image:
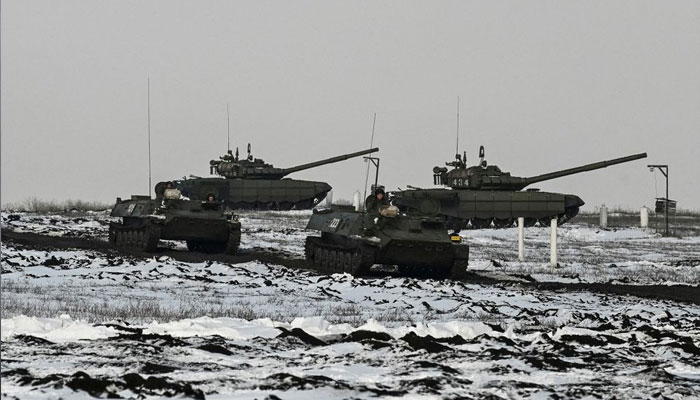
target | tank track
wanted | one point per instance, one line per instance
(328, 258)
(457, 271)
(144, 238)
(230, 246)
(273, 205)
(500, 223)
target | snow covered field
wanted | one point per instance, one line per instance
(78, 323)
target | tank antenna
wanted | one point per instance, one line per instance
(149, 134)
(371, 143)
(457, 147)
(228, 130)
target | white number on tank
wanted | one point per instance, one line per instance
(131, 208)
(334, 223)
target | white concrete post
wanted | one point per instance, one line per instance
(521, 240)
(603, 216)
(357, 201)
(553, 251)
(644, 217)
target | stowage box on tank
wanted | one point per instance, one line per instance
(203, 224)
(481, 195)
(251, 183)
(419, 246)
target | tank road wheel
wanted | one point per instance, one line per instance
(362, 261)
(347, 262)
(479, 223)
(324, 258)
(309, 250)
(336, 263)
(460, 263)
(503, 222)
(151, 238)
(129, 239)
(112, 235)
(304, 204)
(544, 222)
(331, 266)
(234, 241)
(285, 206)
(318, 256)
(529, 222)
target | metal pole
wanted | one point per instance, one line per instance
(149, 136)
(664, 171)
(521, 240)
(376, 175)
(666, 174)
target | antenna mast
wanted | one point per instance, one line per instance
(371, 144)
(149, 135)
(457, 149)
(228, 129)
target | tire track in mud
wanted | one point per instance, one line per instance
(681, 293)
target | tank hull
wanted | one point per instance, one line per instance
(145, 221)
(257, 194)
(476, 209)
(418, 246)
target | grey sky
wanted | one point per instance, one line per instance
(544, 85)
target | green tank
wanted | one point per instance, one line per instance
(419, 246)
(251, 183)
(483, 196)
(203, 224)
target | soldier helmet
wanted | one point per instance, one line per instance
(379, 189)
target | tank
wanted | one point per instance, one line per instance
(419, 246)
(483, 196)
(251, 183)
(204, 225)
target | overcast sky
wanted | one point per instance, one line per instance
(544, 85)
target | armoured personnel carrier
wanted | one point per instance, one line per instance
(203, 224)
(251, 183)
(419, 246)
(482, 196)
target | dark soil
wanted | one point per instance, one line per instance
(682, 293)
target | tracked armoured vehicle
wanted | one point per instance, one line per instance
(202, 224)
(251, 183)
(419, 246)
(482, 196)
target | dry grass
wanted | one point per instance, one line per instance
(33, 204)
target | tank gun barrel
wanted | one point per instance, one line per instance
(583, 168)
(287, 171)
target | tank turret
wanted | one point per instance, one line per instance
(233, 167)
(481, 196)
(490, 177)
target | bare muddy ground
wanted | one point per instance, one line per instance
(619, 318)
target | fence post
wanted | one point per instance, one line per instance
(521, 240)
(644, 217)
(553, 250)
(603, 216)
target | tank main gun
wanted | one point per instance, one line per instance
(583, 168)
(490, 177)
(234, 167)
